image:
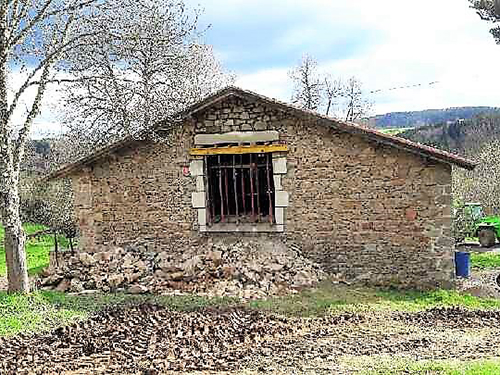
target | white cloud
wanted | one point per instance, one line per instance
(409, 42)
(273, 82)
(46, 123)
(398, 43)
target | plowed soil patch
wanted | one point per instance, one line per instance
(455, 317)
(150, 339)
(147, 338)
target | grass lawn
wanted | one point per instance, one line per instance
(394, 131)
(47, 309)
(37, 250)
(389, 365)
(485, 260)
(329, 299)
(44, 310)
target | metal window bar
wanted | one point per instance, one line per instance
(252, 194)
(219, 172)
(269, 188)
(248, 179)
(235, 186)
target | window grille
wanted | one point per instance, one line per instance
(240, 188)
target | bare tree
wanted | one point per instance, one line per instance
(489, 10)
(322, 92)
(333, 92)
(481, 185)
(356, 105)
(34, 36)
(308, 84)
(147, 66)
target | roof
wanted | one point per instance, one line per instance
(345, 126)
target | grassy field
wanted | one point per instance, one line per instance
(43, 310)
(485, 260)
(389, 365)
(47, 309)
(394, 131)
(37, 249)
(329, 298)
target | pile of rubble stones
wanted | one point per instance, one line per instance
(246, 269)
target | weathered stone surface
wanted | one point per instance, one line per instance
(87, 259)
(248, 269)
(198, 199)
(76, 285)
(345, 192)
(115, 280)
(137, 289)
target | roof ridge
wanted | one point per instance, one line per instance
(350, 127)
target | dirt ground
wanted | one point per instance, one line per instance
(150, 339)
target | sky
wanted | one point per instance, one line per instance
(384, 43)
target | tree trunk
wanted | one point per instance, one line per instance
(14, 241)
(15, 257)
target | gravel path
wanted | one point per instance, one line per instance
(150, 339)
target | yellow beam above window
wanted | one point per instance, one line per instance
(256, 149)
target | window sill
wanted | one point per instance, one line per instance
(243, 228)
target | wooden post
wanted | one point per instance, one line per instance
(56, 249)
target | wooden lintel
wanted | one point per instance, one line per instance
(256, 149)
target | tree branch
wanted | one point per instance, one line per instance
(43, 15)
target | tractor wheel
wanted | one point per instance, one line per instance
(487, 237)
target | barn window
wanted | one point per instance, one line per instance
(240, 188)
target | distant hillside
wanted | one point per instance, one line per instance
(464, 137)
(429, 117)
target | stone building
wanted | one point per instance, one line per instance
(361, 203)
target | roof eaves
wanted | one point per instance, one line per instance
(378, 136)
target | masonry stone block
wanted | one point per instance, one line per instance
(279, 166)
(200, 183)
(202, 216)
(279, 212)
(236, 137)
(196, 168)
(281, 199)
(198, 199)
(277, 182)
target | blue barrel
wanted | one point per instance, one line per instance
(462, 264)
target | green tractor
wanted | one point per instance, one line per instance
(485, 228)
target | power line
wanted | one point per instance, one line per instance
(404, 87)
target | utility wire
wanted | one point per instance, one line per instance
(404, 87)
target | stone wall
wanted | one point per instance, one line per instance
(362, 210)
(369, 211)
(140, 193)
